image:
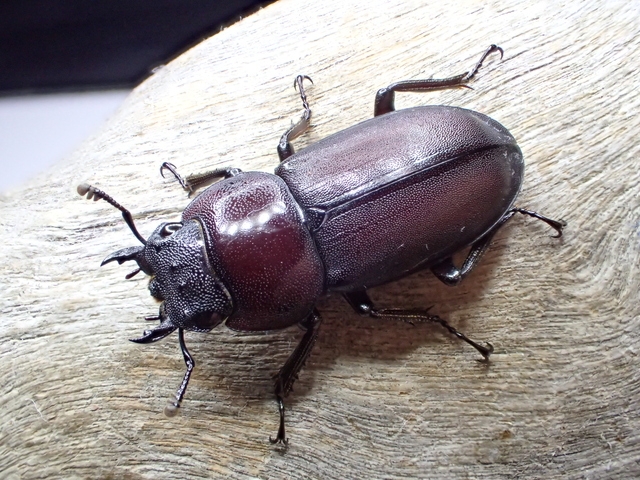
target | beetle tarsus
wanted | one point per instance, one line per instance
(190, 363)
(172, 168)
(557, 225)
(492, 48)
(489, 349)
(285, 148)
(280, 437)
(297, 84)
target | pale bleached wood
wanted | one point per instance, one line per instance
(377, 400)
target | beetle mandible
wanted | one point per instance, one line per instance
(401, 192)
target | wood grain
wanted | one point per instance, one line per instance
(560, 398)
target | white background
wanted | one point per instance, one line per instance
(37, 131)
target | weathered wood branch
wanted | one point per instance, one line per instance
(560, 398)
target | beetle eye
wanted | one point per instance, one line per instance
(169, 229)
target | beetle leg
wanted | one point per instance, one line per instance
(285, 149)
(447, 272)
(451, 275)
(557, 225)
(172, 409)
(363, 305)
(289, 372)
(198, 180)
(158, 333)
(384, 102)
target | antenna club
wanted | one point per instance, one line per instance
(171, 410)
(97, 194)
(83, 189)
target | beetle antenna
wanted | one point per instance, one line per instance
(97, 194)
(172, 409)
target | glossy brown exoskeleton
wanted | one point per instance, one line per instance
(395, 194)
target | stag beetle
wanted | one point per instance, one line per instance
(401, 192)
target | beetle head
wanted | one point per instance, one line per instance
(175, 257)
(192, 296)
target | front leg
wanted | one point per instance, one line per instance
(289, 372)
(198, 180)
